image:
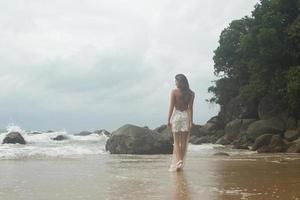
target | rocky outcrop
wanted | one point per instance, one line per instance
(131, 139)
(291, 135)
(102, 131)
(13, 138)
(266, 108)
(235, 128)
(294, 147)
(223, 141)
(34, 133)
(200, 140)
(83, 133)
(236, 108)
(272, 126)
(269, 143)
(261, 126)
(60, 137)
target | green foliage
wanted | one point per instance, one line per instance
(224, 90)
(256, 55)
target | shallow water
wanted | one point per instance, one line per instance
(207, 177)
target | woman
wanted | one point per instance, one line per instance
(182, 99)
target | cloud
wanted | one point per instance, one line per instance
(99, 64)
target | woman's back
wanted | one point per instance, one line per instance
(179, 104)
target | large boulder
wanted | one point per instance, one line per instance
(269, 143)
(222, 140)
(13, 138)
(261, 141)
(60, 137)
(237, 127)
(243, 142)
(272, 126)
(266, 108)
(236, 108)
(291, 135)
(199, 131)
(102, 131)
(131, 139)
(167, 136)
(294, 147)
(161, 128)
(200, 140)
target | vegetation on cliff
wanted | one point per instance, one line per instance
(259, 55)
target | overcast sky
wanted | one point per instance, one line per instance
(92, 64)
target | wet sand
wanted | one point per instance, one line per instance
(135, 177)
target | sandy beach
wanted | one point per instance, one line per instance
(105, 176)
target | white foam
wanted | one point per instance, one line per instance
(42, 145)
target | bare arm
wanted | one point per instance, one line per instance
(171, 108)
(190, 108)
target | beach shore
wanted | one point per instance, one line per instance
(207, 177)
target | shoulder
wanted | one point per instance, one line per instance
(174, 91)
(192, 93)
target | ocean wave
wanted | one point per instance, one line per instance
(42, 145)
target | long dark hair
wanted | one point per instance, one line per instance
(184, 87)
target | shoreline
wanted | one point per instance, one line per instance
(124, 176)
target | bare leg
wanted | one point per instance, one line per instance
(184, 138)
(176, 146)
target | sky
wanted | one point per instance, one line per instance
(99, 64)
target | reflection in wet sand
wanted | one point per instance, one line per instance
(146, 177)
(181, 186)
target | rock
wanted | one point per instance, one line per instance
(102, 131)
(166, 132)
(213, 138)
(219, 133)
(291, 135)
(266, 108)
(294, 149)
(294, 146)
(193, 139)
(232, 129)
(60, 137)
(221, 154)
(161, 128)
(34, 133)
(260, 127)
(269, 143)
(83, 133)
(243, 142)
(291, 123)
(50, 131)
(222, 141)
(209, 126)
(237, 127)
(213, 124)
(13, 138)
(214, 119)
(239, 146)
(131, 139)
(236, 108)
(199, 131)
(167, 136)
(200, 140)
(277, 144)
(262, 140)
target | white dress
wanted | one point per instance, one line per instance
(179, 123)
